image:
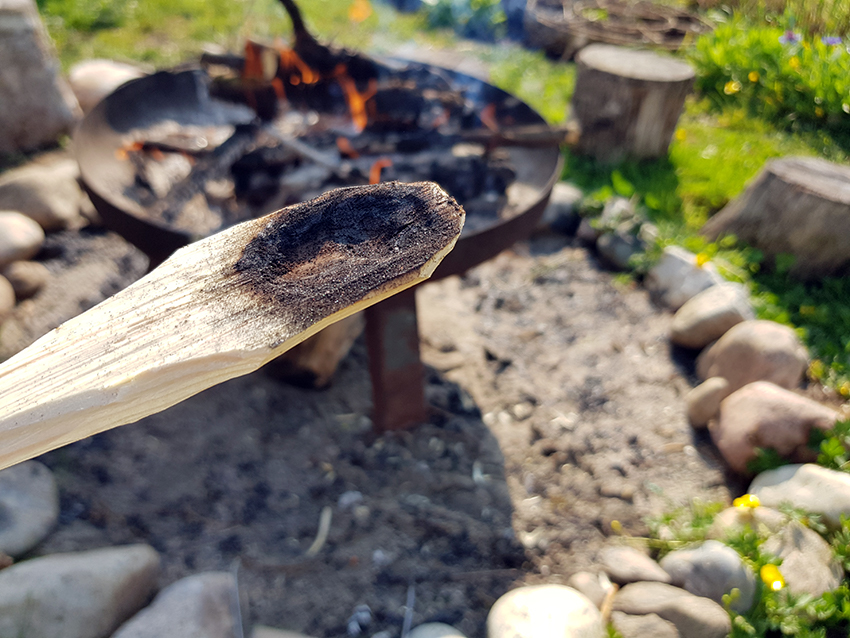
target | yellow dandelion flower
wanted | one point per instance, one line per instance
(617, 527)
(772, 577)
(794, 62)
(681, 134)
(747, 501)
(844, 389)
(753, 76)
(702, 259)
(732, 87)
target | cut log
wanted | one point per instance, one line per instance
(798, 206)
(626, 102)
(220, 308)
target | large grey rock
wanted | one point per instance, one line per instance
(26, 277)
(435, 630)
(703, 402)
(643, 626)
(594, 586)
(544, 610)
(47, 192)
(29, 506)
(80, 595)
(808, 563)
(37, 105)
(678, 277)
(712, 570)
(755, 351)
(810, 487)
(20, 237)
(708, 315)
(694, 616)
(628, 565)
(93, 80)
(763, 415)
(200, 606)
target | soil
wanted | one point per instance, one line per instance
(557, 409)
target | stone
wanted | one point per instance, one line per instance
(561, 213)
(586, 233)
(594, 586)
(26, 278)
(703, 401)
(732, 520)
(692, 615)
(46, 192)
(29, 506)
(78, 595)
(617, 249)
(712, 570)
(37, 105)
(260, 631)
(642, 626)
(199, 606)
(629, 565)
(755, 351)
(93, 80)
(678, 277)
(544, 610)
(20, 237)
(7, 298)
(763, 415)
(808, 563)
(435, 630)
(809, 487)
(708, 315)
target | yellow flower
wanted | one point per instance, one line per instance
(816, 369)
(818, 111)
(753, 76)
(794, 62)
(844, 389)
(772, 577)
(732, 87)
(681, 134)
(747, 500)
(617, 527)
(702, 259)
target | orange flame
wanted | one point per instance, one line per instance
(359, 10)
(355, 99)
(294, 69)
(377, 167)
(346, 149)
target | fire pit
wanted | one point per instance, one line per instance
(175, 156)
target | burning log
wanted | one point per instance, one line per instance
(220, 308)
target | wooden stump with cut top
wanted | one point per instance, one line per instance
(796, 206)
(627, 102)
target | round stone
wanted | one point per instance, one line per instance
(554, 611)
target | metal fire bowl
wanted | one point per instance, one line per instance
(182, 97)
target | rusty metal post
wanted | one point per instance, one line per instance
(398, 376)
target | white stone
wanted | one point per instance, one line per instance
(763, 415)
(628, 565)
(693, 615)
(732, 520)
(643, 626)
(79, 595)
(703, 401)
(810, 487)
(435, 630)
(200, 606)
(20, 237)
(37, 105)
(808, 563)
(29, 506)
(93, 80)
(708, 315)
(554, 611)
(676, 278)
(7, 298)
(594, 586)
(47, 192)
(26, 277)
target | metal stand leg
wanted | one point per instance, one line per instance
(398, 377)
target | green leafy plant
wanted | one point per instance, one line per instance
(478, 19)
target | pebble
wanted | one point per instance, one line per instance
(544, 610)
(7, 298)
(93, 80)
(29, 506)
(755, 351)
(586, 233)
(617, 249)
(261, 631)
(594, 586)
(20, 237)
(703, 401)
(692, 615)
(78, 595)
(712, 570)
(708, 315)
(561, 213)
(629, 565)
(53, 208)
(764, 415)
(808, 563)
(809, 487)
(732, 520)
(435, 630)
(26, 277)
(676, 278)
(199, 606)
(642, 626)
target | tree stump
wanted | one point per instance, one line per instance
(627, 102)
(798, 206)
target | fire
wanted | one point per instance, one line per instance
(359, 10)
(355, 99)
(294, 69)
(346, 149)
(377, 167)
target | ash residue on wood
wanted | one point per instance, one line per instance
(327, 254)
